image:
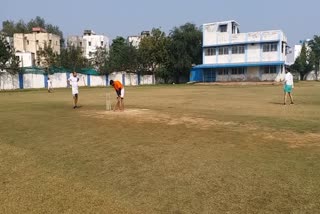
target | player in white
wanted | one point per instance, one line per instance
(49, 85)
(73, 81)
(288, 86)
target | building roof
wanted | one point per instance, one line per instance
(223, 22)
(38, 29)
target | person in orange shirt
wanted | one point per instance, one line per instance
(120, 95)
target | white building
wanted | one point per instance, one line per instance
(93, 41)
(9, 40)
(27, 59)
(33, 42)
(229, 55)
(89, 42)
(76, 41)
(135, 40)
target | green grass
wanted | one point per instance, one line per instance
(177, 149)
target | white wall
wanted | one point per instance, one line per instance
(210, 59)
(223, 59)
(59, 80)
(253, 53)
(115, 76)
(146, 80)
(269, 56)
(235, 58)
(83, 81)
(268, 77)
(253, 74)
(312, 76)
(26, 59)
(97, 80)
(131, 79)
(8, 82)
(33, 81)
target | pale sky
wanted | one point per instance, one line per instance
(298, 19)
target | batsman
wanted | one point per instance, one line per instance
(120, 95)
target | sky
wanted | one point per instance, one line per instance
(298, 19)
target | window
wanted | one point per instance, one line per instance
(223, 71)
(210, 51)
(37, 42)
(50, 42)
(80, 43)
(270, 69)
(270, 47)
(223, 28)
(239, 49)
(27, 42)
(209, 75)
(89, 43)
(223, 51)
(101, 43)
(237, 71)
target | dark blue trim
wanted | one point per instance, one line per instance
(88, 80)
(123, 79)
(232, 65)
(45, 80)
(139, 78)
(20, 81)
(68, 76)
(107, 79)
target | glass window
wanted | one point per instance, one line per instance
(223, 71)
(223, 50)
(270, 69)
(223, 28)
(210, 51)
(270, 47)
(238, 49)
(237, 71)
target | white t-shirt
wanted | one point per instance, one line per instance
(49, 83)
(74, 84)
(74, 81)
(288, 79)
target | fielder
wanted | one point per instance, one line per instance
(49, 82)
(73, 81)
(288, 86)
(120, 95)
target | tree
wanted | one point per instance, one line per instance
(8, 61)
(122, 56)
(153, 52)
(185, 50)
(100, 60)
(314, 44)
(305, 62)
(72, 58)
(10, 27)
(47, 56)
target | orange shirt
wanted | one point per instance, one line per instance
(117, 85)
